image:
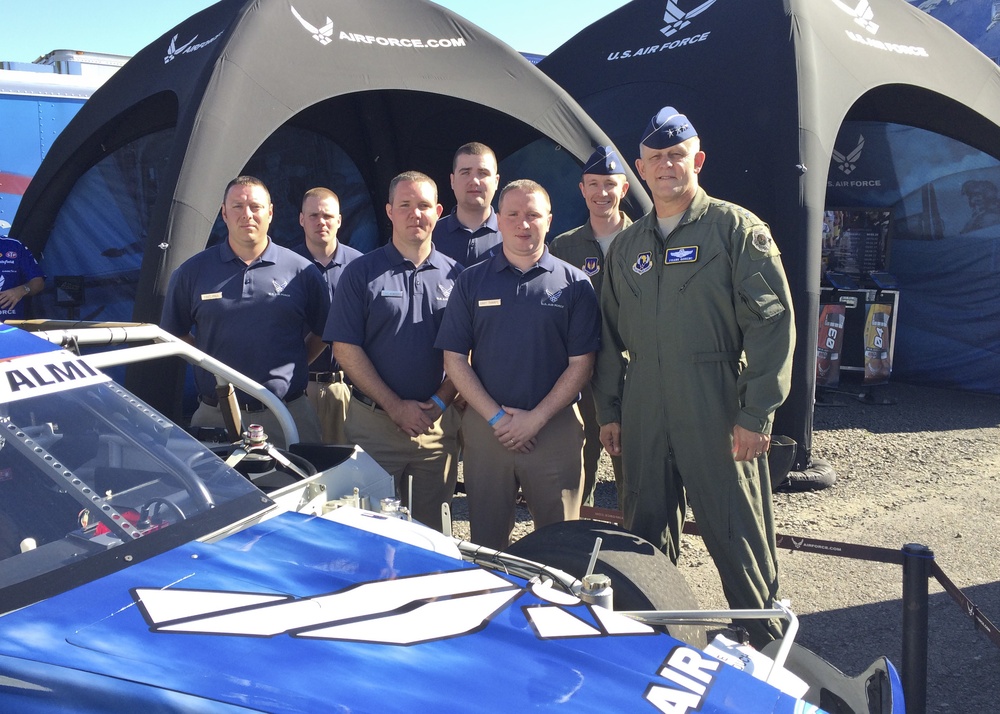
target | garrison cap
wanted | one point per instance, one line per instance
(667, 128)
(604, 162)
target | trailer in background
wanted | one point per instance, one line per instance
(37, 100)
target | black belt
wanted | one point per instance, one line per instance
(251, 407)
(326, 377)
(363, 398)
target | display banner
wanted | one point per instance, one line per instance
(829, 345)
(878, 364)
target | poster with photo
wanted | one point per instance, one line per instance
(830, 345)
(878, 344)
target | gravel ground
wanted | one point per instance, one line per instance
(920, 466)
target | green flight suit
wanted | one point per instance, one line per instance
(709, 337)
(580, 248)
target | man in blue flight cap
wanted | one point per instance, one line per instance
(696, 295)
(603, 186)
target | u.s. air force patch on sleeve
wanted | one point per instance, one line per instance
(643, 262)
(762, 241)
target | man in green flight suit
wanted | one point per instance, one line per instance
(603, 186)
(695, 294)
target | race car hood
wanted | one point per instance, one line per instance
(300, 614)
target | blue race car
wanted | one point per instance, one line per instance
(139, 571)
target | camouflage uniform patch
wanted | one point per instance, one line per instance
(762, 241)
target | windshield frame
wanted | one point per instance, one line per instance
(84, 554)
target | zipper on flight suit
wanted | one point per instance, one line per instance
(697, 272)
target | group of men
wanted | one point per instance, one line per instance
(470, 336)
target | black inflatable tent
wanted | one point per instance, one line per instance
(768, 84)
(300, 93)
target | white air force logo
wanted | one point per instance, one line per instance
(403, 612)
(173, 50)
(862, 14)
(849, 162)
(323, 35)
(677, 19)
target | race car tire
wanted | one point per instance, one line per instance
(642, 577)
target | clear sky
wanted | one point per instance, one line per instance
(32, 28)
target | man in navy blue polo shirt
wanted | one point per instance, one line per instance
(385, 316)
(320, 220)
(532, 324)
(255, 306)
(470, 231)
(20, 277)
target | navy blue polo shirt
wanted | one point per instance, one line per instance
(17, 267)
(331, 273)
(392, 310)
(522, 328)
(462, 245)
(253, 318)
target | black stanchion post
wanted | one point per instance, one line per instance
(916, 574)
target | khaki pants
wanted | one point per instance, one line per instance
(592, 448)
(428, 458)
(330, 401)
(551, 476)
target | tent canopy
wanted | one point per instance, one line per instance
(768, 84)
(300, 93)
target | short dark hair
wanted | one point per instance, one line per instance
(473, 148)
(245, 181)
(528, 186)
(415, 177)
(319, 192)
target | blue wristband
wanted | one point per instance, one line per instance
(437, 400)
(497, 417)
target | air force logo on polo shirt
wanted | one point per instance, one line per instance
(551, 299)
(591, 266)
(687, 254)
(643, 262)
